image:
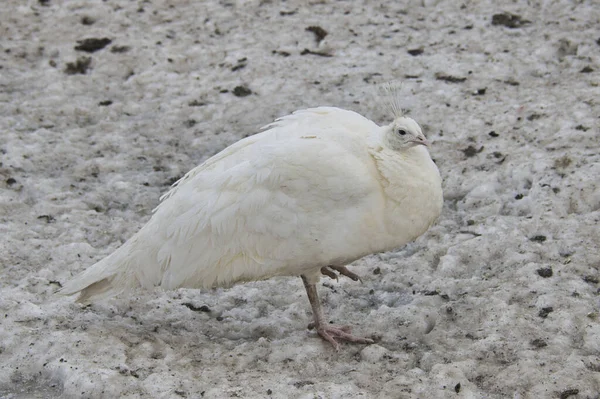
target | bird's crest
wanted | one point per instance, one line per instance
(390, 98)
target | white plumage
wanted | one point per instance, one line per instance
(313, 192)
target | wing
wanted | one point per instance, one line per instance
(227, 152)
(273, 207)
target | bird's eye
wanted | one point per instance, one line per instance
(401, 132)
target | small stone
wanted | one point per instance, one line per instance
(241, 91)
(78, 67)
(539, 343)
(569, 392)
(119, 49)
(544, 312)
(87, 20)
(281, 53)
(449, 78)
(471, 151)
(47, 218)
(92, 45)
(509, 20)
(195, 308)
(545, 272)
(319, 53)
(190, 123)
(319, 32)
(415, 52)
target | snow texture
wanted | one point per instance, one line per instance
(499, 299)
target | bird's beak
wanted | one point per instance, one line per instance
(422, 141)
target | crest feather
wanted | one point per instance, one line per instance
(389, 96)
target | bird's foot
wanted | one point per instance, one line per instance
(333, 334)
(329, 272)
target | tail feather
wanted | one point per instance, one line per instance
(99, 290)
(102, 280)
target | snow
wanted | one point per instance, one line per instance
(472, 302)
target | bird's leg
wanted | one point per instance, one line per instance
(343, 270)
(328, 332)
(329, 272)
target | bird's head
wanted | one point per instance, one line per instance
(404, 133)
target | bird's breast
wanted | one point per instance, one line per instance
(413, 195)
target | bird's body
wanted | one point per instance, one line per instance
(321, 187)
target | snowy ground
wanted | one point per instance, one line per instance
(499, 299)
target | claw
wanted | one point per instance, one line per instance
(329, 273)
(333, 334)
(343, 270)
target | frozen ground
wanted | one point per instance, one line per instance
(499, 299)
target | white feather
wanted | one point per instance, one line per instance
(389, 95)
(318, 187)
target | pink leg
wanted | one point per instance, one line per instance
(328, 332)
(344, 271)
(329, 272)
